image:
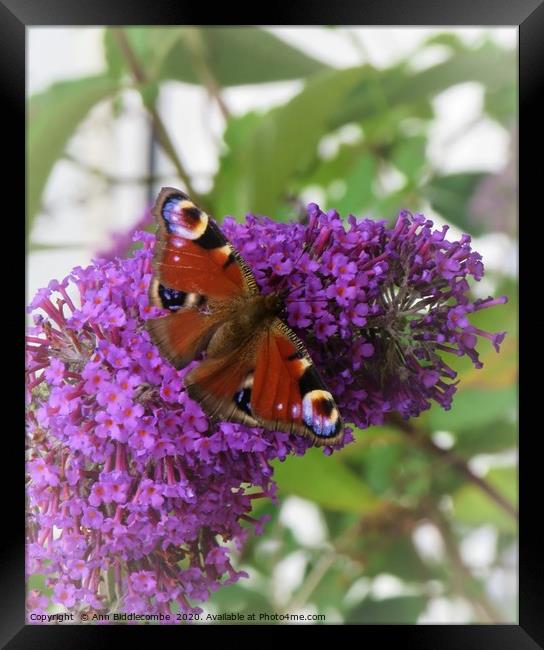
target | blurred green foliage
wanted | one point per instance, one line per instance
(374, 494)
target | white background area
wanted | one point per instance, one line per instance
(120, 147)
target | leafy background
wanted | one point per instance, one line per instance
(414, 522)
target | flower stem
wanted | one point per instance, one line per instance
(139, 75)
(462, 577)
(422, 439)
(198, 51)
(112, 179)
(318, 572)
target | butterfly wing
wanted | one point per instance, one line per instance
(269, 379)
(195, 269)
(287, 392)
(271, 382)
(222, 384)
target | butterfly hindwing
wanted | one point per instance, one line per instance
(269, 382)
(222, 386)
(182, 335)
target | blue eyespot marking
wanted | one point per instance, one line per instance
(171, 299)
(243, 400)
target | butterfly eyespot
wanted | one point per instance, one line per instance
(320, 413)
(243, 399)
(183, 218)
(169, 298)
(248, 381)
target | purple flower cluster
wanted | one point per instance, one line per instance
(377, 307)
(132, 494)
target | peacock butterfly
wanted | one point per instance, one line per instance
(255, 370)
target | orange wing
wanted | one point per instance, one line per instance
(192, 255)
(269, 382)
(219, 385)
(195, 267)
(287, 393)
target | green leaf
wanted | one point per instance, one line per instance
(238, 599)
(149, 93)
(473, 507)
(360, 105)
(233, 55)
(333, 585)
(149, 44)
(487, 439)
(381, 461)
(281, 144)
(373, 436)
(501, 104)
(390, 205)
(327, 170)
(53, 116)
(490, 65)
(115, 64)
(325, 481)
(401, 609)
(448, 39)
(359, 183)
(474, 407)
(450, 196)
(242, 55)
(37, 581)
(225, 188)
(413, 478)
(398, 557)
(383, 130)
(409, 156)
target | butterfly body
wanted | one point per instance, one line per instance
(255, 370)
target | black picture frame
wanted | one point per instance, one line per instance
(528, 15)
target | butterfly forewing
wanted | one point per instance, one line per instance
(191, 254)
(194, 265)
(288, 393)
